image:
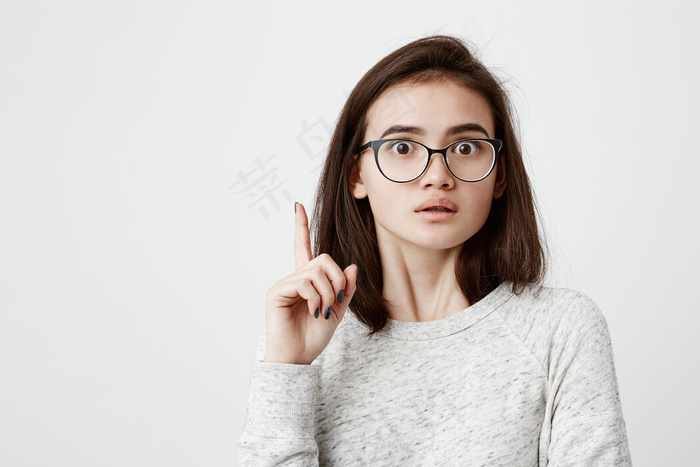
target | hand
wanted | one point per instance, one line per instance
(293, 332)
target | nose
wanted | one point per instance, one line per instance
(437, 174)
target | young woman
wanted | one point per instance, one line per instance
(418, 332)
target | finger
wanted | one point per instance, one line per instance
(312, 285)
(288, 292)
(308, 292)
(302, 239)
(322, 283)
(350, 279)
(351, 286)
(335, 275)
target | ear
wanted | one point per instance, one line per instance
(500, 185)
(357, 188)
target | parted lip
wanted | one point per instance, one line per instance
(437, 202)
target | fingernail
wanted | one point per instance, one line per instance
(341, 294)
(328, 313)
(295, 207)
(317, 310)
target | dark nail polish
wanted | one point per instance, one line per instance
(295, 207)
(328, 313)
(317, 310)
(341, 294)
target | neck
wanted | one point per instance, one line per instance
(420, 283)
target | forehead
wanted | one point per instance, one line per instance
(433, 106)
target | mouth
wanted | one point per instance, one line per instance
(437, 214)
(437, 209)
(437, 204)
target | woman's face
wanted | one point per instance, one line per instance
(432, 109)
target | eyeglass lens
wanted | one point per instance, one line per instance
(402, 160)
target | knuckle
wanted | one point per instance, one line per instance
(306, 284)
(319, 274)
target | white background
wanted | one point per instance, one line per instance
(138, 240)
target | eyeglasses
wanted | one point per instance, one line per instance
(404, 160)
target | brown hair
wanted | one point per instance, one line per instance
(506, 248)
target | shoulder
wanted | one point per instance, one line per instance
(555, 305)
(548, 318)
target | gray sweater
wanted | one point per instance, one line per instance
(516, 380)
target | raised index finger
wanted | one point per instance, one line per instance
(302, 239)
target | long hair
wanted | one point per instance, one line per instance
(506, 248)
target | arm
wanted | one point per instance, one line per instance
(280, 423)
(587, 423)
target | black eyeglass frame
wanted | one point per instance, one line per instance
(497, 144)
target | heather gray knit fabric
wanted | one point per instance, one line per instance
(516, 380)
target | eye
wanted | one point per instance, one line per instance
(402, 147)
(467, 148)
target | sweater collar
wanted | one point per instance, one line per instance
(412, 330)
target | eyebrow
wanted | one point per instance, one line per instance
(420, 131)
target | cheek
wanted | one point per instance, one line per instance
(388, 200)
(376, 185)
(477, 200)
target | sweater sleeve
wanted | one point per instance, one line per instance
(280, 422)
(587, 426)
